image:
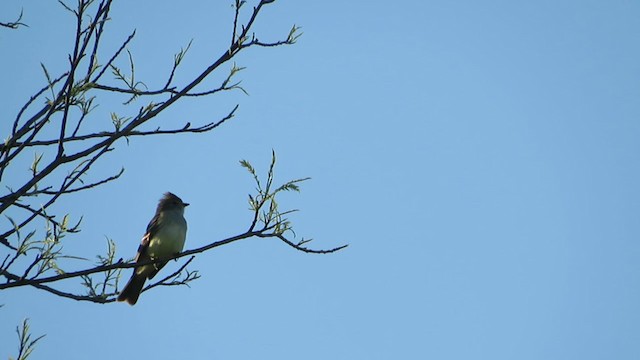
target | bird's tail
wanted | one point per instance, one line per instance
(132, 290)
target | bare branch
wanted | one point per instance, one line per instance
(14, 24)
(302, 248)
(174, 275)
(106, 134)
(86, 187)
(113, 58)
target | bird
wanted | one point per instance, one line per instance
(164, 238)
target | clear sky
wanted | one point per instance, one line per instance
(481, 158)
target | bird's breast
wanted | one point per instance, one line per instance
(168, 239)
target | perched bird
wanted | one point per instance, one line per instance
(164, 238)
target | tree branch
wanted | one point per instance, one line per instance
(14, 24)
(57, 128)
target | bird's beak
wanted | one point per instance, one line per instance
(185, 204)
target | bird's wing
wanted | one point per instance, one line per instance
(152, 228)
(142, 249)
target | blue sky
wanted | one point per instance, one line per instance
(481, 159)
